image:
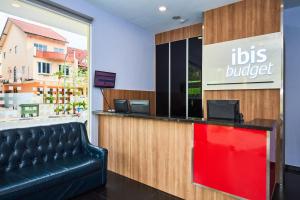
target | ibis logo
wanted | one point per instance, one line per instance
(249, 63)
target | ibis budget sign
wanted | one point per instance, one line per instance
(250, 63)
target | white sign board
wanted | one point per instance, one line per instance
(249, 63)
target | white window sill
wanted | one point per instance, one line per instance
(44, 74)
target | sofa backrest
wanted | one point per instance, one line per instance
(25, 147)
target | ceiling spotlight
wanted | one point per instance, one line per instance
(183, 20)
(16, 5)
(162, 8)
(176, 17)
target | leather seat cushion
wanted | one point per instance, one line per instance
(9, 180)
(45, 175)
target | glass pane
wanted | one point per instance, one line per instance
(195, 78)
(178, 79)
(39, 94)
(48, 68)
(162, 80)
(39, 67)
(44, 68)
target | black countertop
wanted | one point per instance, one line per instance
(258, 124)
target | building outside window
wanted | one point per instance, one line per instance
(40, 47)
(59, 50)
(31, 71)
(64, 70)
(15, 74)
(43, 68)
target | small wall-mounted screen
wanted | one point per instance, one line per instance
(104, 79)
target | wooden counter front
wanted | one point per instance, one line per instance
(154, 152)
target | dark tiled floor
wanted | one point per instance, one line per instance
(122, 188)
(291, 189)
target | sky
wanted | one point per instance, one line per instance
(75, 40)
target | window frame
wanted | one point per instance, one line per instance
(58, 50)
(40, 47)
(44, 68)
(67, 69)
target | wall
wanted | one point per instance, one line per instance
(241, 20)
(179, 34)
(120, 47)
(292, 86)
(15, 37)
(130, 95)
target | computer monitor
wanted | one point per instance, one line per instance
(228, 110)
(121, 106)
(140, 106)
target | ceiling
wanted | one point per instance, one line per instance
(145, 14)
(291, 3)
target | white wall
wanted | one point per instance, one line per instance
(117, 46)
(292, 86)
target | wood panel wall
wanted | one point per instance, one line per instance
(112, 94)
(179, 34)
(244, 19)
(263, 104)
(155, 152)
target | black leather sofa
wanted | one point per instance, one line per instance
(49, 162)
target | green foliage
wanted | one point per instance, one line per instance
(58, 109)
(59, 74)
(69, 107)
(82, 105)
(50, 98)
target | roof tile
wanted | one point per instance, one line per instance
(37, 30)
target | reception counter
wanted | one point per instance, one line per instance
(194, 158)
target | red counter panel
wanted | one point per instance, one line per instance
(232, 160)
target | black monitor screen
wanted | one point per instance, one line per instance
(104, 79)
(223, 110)
(140, 106)
(121, 105)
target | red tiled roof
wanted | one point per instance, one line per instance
(37, 30)
(80, 55)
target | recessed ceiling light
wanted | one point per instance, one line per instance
(176, 17)
(16, 5)
(162, 8)
(183, 20)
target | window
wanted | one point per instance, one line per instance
(64, 69)
(57, 94)
(40, 47)
(15, 74)
(59, 50)
(43, 68)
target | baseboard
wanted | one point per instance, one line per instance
(290, 168)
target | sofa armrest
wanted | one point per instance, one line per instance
(96, 152)
(102, 154)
